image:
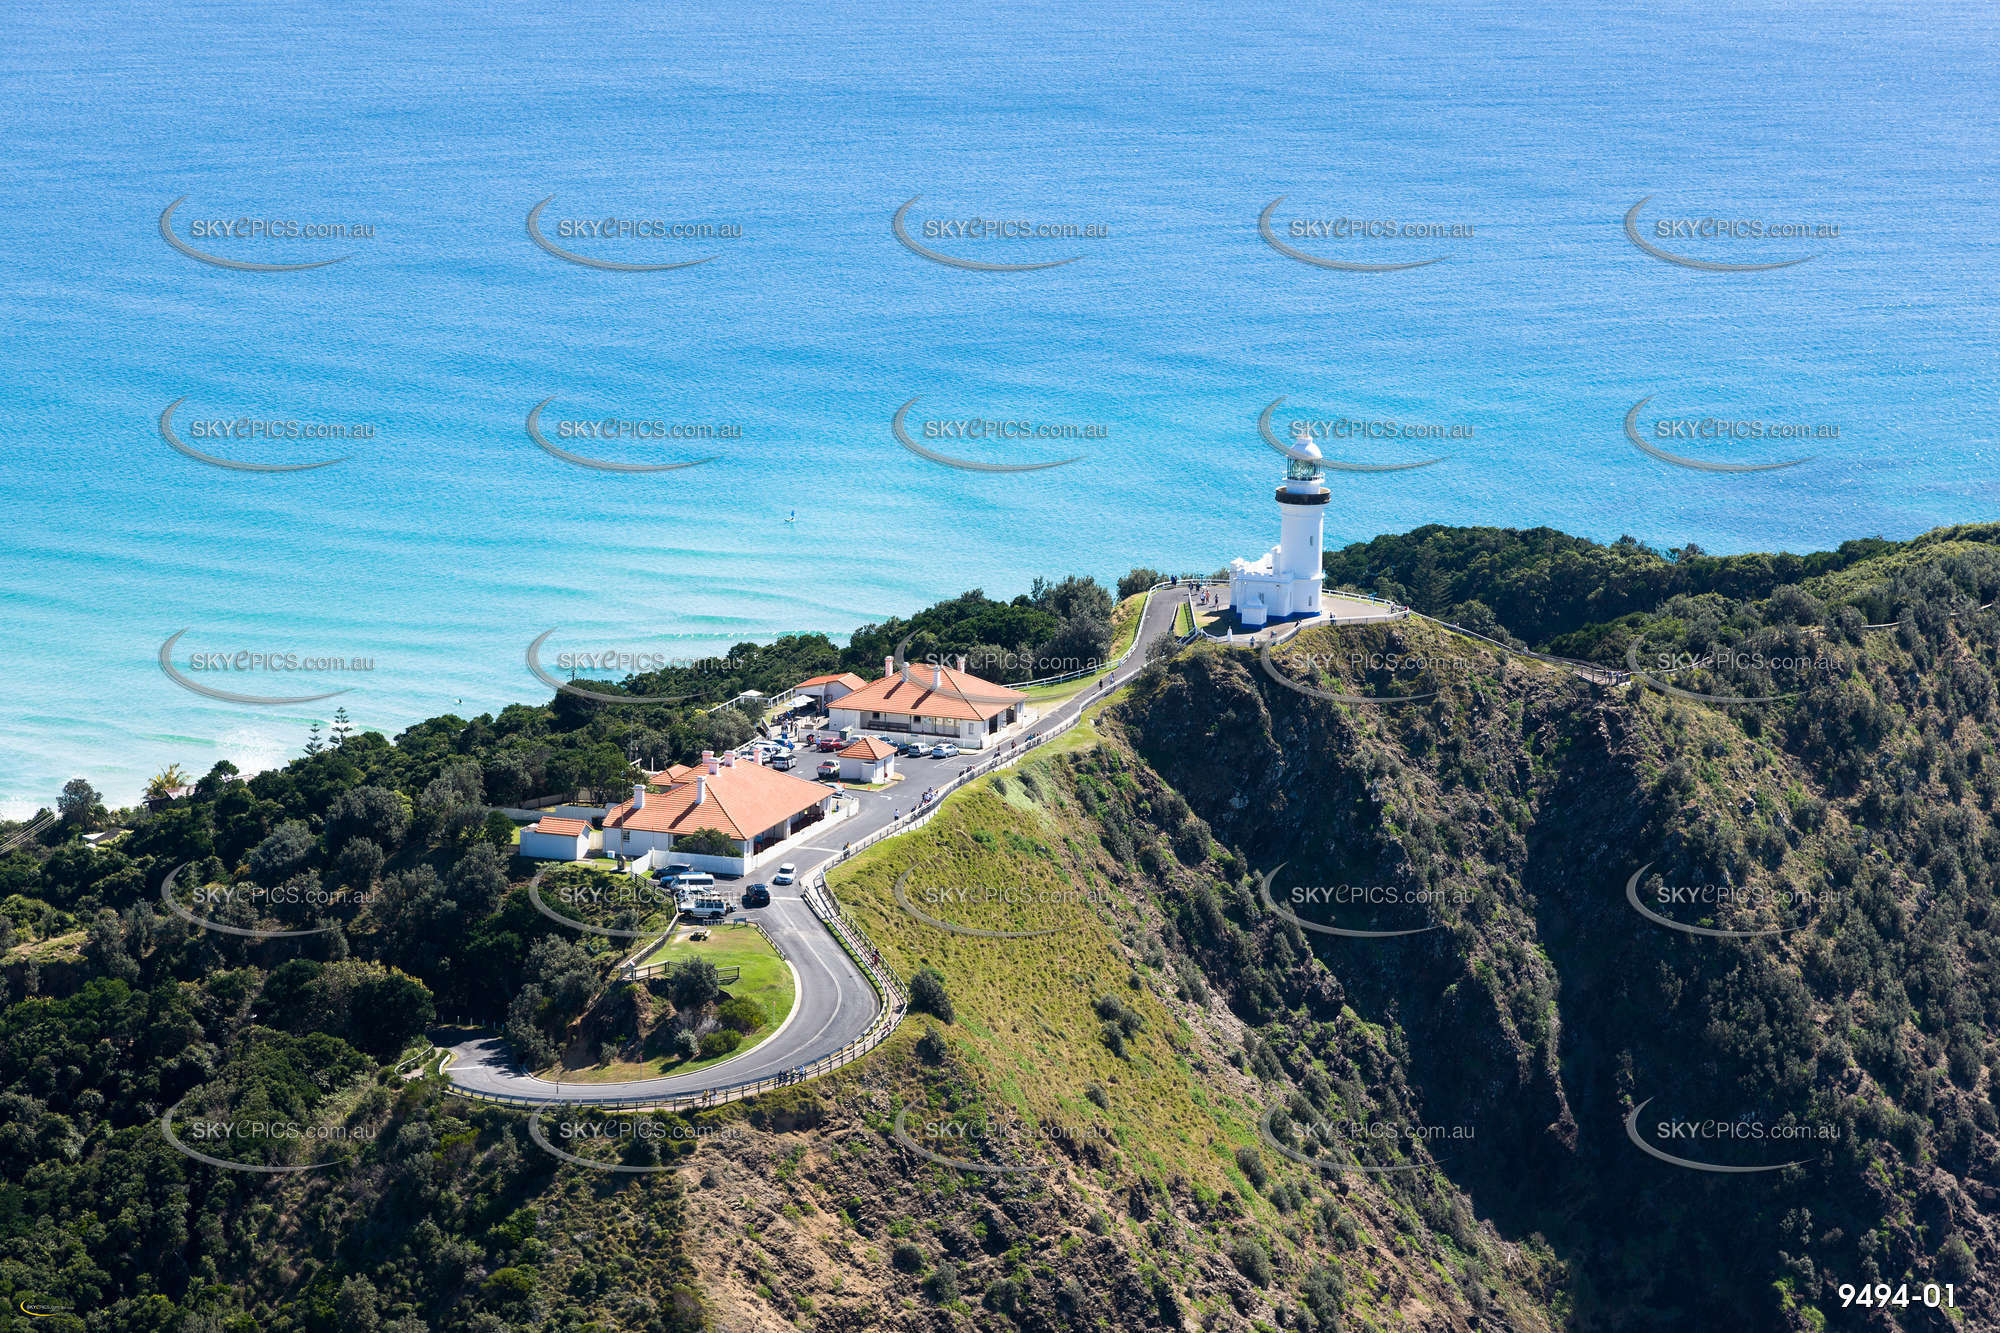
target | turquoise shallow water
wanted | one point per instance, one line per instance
(448, 540)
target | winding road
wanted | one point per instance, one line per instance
(836, 1003)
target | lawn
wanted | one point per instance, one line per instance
(766, 981)
(1125, 619)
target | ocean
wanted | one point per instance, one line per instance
(777, 143)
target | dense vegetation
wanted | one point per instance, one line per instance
(1813, 734)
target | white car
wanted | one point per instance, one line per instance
(787, 874)
(944, 750)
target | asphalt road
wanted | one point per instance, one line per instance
(835, 1002)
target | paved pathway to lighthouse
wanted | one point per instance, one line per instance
(835, 1004)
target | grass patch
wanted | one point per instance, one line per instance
(765, 981)
(1029, 1013)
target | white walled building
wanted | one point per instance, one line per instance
(1286, 581)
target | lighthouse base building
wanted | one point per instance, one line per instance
(1285, 582)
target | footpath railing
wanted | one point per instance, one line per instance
(633, 971)
(819, 896)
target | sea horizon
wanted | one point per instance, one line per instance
(446, 539)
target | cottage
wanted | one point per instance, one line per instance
(932, 701)
(870, 759)
(752, 806)
(555, 839)
(826, 689)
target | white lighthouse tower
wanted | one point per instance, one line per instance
(1286, 581)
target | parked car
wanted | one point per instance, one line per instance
(944, 750)
(827, 743)
(704, 907)
(787, 874)
(757, 895)
(673, 871)
(784, 762)
(911, 749)
(829, 768)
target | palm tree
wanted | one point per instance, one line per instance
(166, 783)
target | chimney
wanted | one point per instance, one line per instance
(638, 796)
(888, 667)
(729, 760)
(937, 676)
(961, 661)
(708, 761)
(700, 788)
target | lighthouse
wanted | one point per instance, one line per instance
(1285, 582)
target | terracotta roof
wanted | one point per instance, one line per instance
(958, 695)
(847, 678)
(568, 828)
(744, 799)
(871, 748)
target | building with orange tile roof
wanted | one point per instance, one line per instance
(932, 701)
(556, 839)
(870, 759)
(753, 806)
(828, 688)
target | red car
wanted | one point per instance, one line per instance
(827, 743)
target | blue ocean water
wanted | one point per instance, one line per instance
(448, 540)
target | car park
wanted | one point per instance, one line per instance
(757, 895)
(787, 874)
(704, 906)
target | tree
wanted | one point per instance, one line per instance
(375, 813)
(313, 742)
(79, 802)
(928, 994)
(163, 784)
(693, 985)
(1138, 581)
(707, 842)
(287, 849)
(341, 726)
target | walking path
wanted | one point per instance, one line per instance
(844, 1007)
